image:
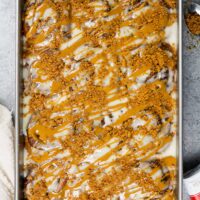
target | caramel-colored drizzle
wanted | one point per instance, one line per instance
(79, 77)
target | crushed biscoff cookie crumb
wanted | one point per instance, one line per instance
(193, 23)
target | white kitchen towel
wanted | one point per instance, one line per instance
(6, 155)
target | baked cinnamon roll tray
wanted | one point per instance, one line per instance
(99, 99)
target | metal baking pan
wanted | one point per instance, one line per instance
(19, 139)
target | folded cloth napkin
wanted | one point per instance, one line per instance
(6, 155)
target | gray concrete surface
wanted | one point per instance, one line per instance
(191, 101)
(191, 81)
(7, 53)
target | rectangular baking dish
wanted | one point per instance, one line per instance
(19, 138)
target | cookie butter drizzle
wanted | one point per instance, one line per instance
(99, 98)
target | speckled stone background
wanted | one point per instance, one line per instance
(191, 101)
(191, 81)
(7, 53)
